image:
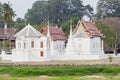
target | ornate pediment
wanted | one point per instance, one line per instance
(79, 33)
(28, 31)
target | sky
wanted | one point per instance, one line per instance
(21, 6)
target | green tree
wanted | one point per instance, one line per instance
(7, 14)
(57, 10)
(1, 20)
(19, 23)
(66, 25)
(110, 35)
(38, 13)
(108, 8)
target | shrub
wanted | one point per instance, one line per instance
(110, 58)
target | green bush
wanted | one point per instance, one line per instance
(110, 58)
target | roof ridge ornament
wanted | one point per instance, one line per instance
(60, 28)
(28, 23)
(56, 26)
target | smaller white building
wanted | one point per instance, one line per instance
(86, 41)
(31, 45)
(57, 39)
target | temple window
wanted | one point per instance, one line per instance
(32, 44)
(41, 53)
(93, 45)
(60, 47)
(19, 45)
(79, 46)
(54, 46)
(24, 45)
(57, 47)
(41, 44)
(63, 47)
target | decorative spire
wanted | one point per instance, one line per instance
(60, 28)
(48, 33)
(28, 23)
(56, 26)
(5, 26)
(71, 28)
(25, 22)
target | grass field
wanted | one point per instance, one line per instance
(66, 70)
(61, 73)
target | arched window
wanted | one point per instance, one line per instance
(41, 53)
(57, 47)
(19, 45)
(79, 46)
(93, 45)
(63, 47)
(24, 45)
(60, 48)
(32, 44)
(41, 44)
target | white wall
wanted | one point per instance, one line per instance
(18, 55)
(96, 46)
(58, 46)
(5, 56)
(82, 45)
(27, 53)
(78, 57)
(28, 41)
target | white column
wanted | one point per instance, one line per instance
(102, 44)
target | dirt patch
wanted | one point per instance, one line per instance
(45, 76)
(97, 77)
(5, 75)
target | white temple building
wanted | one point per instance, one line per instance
(85, 42)
(31, 45)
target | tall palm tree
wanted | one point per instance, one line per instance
(7, 14)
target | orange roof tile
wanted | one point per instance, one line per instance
(56, 33)
(90, 29)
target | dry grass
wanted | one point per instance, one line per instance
(115, 61)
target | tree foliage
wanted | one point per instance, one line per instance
(109, 33)
(114, 23)
(1, 20)
(66, 25)
(7, 13)
(19, 23)
(108, 8)
(57, 10)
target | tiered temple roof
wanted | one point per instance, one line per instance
(55, 33)
(89, 28)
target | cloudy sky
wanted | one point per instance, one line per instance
(21, 6)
